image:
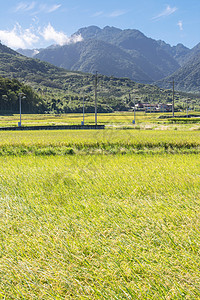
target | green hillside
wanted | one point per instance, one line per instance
(58, 90)
(187, 78)
(9, 93)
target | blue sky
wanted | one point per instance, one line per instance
(40, 23)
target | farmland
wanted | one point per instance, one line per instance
(116, 119)
(111, 214)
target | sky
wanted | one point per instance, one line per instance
(31, 24)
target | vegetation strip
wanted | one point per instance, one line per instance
(100, 149)
(56, 127)
(64, 142)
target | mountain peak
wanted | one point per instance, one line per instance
(122, 53)
(111, 29)
(88, 32)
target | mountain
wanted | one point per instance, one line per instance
(187, 78)
(113, 51)
(133, 41)
(28, 52)
(127, 53)
(33, 71)
(55, 90)
(179, 52)
(114, 35)
(193, 53)
(91, 55)
(130, 40)
(6, 50)
(93, 32)
(43, 75)
(59, 90)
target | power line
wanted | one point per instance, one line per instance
(95, 92)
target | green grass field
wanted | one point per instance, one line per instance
(109, 214)
(117, 119)
(100, 227)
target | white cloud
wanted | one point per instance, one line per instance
(97, 14)
(54, 8)
(45, 8)
(113, 14)
(35, 20)
(50, 34)
(22, 6)
(28, 38)
(168, 11)
(180, 25)
(117, 13)
(75, 39)
(18, 37)
(36, 8)
(35, 52)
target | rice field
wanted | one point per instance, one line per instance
(100, 227)
(109, 141)
(116, 119)
(76, 118)
(109, 214)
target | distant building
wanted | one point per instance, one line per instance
(164, 107)
(150, 107)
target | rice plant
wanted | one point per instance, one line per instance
(99, 226)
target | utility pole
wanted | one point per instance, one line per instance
(134, 106)
(95, 93)
(150, 104)
(20, 108)
(173, 100)
(82, 123)
(187, 107)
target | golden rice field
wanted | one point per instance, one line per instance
(116, 119)
(100, 227)
(76, 118)
(108, 214)
(98, 142)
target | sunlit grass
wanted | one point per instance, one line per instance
(100, 214)
(97, 141)
(100, 227)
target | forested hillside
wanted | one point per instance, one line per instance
(9, 95)
(51, 89)
(187, 78)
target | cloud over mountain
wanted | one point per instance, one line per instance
(19, 37)
(50, 34)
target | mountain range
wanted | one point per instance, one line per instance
(126, 53)
(54, 89)
(112, 51)
(187, 78)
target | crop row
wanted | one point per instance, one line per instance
(108, 141)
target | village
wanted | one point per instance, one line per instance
(151, 107)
